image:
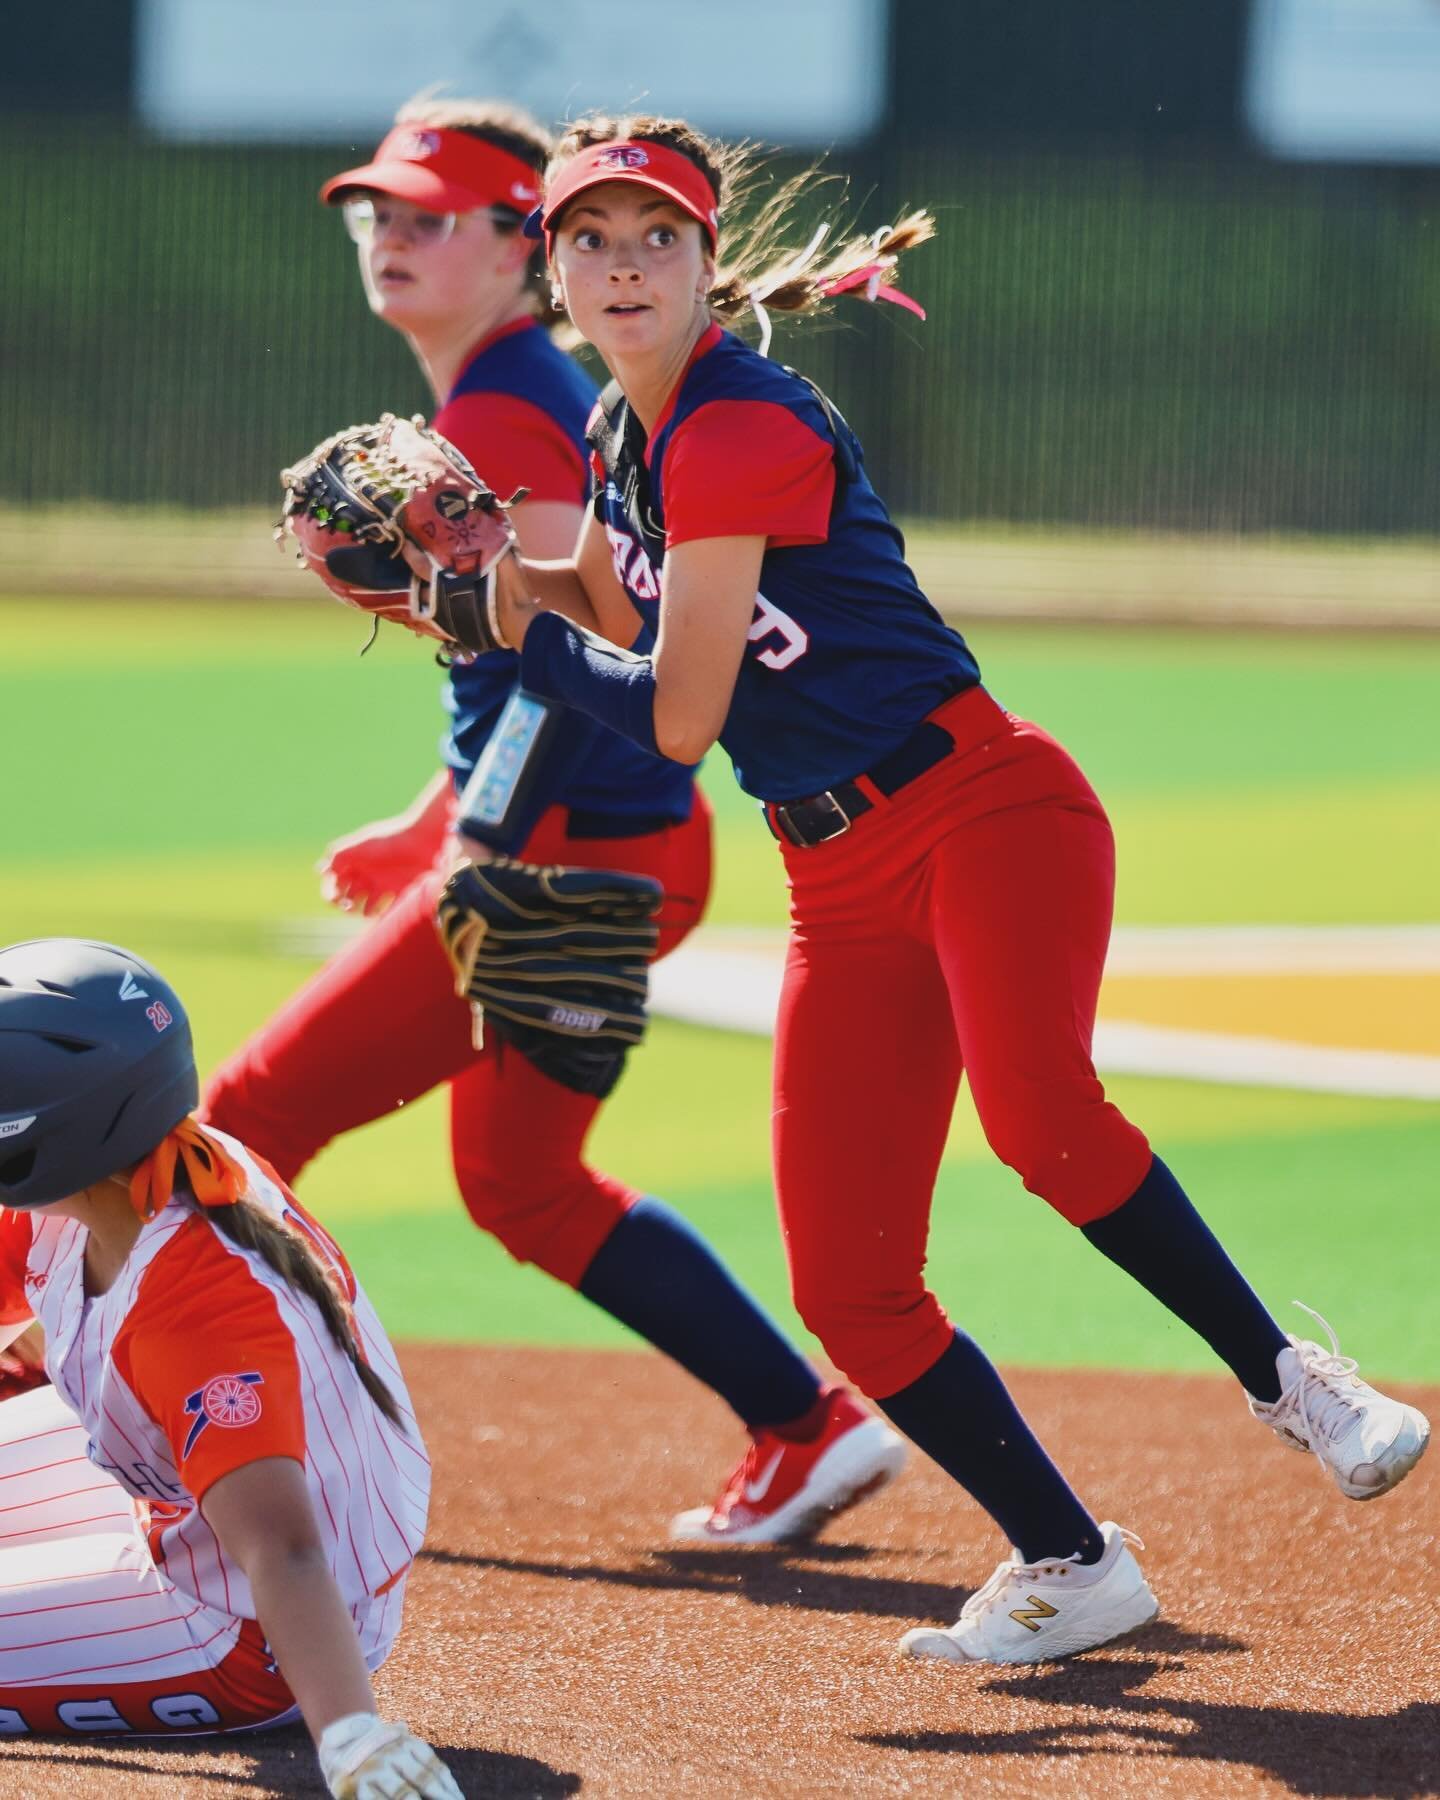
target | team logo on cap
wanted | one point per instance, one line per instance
(226, 1400)
(417, 145)
(13, 1127)
(623, 156)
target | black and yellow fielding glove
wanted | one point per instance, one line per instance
(555, 960)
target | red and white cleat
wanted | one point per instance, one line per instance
(782, 1491)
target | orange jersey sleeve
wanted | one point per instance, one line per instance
(15, 1239)
(513, 444)
(206, 1353)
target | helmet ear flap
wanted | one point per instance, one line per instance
(16, 1170)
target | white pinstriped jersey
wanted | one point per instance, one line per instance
(200, 1359)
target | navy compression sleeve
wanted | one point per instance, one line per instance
(561, 661)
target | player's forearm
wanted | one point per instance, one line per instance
(430, 809)
(677, 715)
(311, 1634)
(615, 687)
(428, 815)
(528, 587)
(673, 703)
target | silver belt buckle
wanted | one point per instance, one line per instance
(837, 811)
(784, 818)
(845, 820)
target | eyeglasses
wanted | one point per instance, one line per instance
(367, 215)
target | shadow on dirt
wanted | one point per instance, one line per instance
(276, 1762)
(764, 1575)
(1335, 1755)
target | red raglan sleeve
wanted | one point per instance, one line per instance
(206, 1352)
(15, 1240)
(748, 468)
(513, 444)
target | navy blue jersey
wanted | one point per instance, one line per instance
(845, 653)
(518, 411)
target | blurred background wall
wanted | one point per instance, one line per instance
(1154, 300)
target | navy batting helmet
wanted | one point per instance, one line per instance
(96, 1065)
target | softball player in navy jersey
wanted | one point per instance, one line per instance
(436, 216)
(950, 869)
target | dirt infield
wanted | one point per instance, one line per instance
(554, 1646)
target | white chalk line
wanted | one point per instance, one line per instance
(735, 986)
(729, 979)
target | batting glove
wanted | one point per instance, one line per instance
(364, 1758)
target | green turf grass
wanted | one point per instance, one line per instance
(1318, 1198)
(1251, 778)
(170, 780)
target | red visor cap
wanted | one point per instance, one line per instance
(647, 165)
(446, 171)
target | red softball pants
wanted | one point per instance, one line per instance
(961, 925)
(381, 1024)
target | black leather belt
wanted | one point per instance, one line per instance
(582, 824)
(821, 817)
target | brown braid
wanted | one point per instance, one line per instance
(290, 1255)
(753, 262)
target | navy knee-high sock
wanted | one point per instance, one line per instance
(1158, 1237)
(657, 1275)
(960, 1413)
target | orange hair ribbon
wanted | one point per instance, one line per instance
(216, 1179)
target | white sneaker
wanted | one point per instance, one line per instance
(1035, 1612)
(1367, 1441)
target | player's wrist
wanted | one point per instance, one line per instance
(474, 850)
(363, 1756)
(515, 602)
(350, 1740)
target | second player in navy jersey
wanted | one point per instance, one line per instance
(951, 871)
(516, 388)
(436, 217)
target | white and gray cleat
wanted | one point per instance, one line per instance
(1366, 1440)
(1036, 1612)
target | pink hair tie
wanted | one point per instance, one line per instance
(871, 277)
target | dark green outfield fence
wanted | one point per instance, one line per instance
(1157, 341)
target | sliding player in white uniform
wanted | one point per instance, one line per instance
(207, 1522)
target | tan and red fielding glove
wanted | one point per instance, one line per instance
(370, 507)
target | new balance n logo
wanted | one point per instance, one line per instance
(1033, 1612)
(130, 989)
